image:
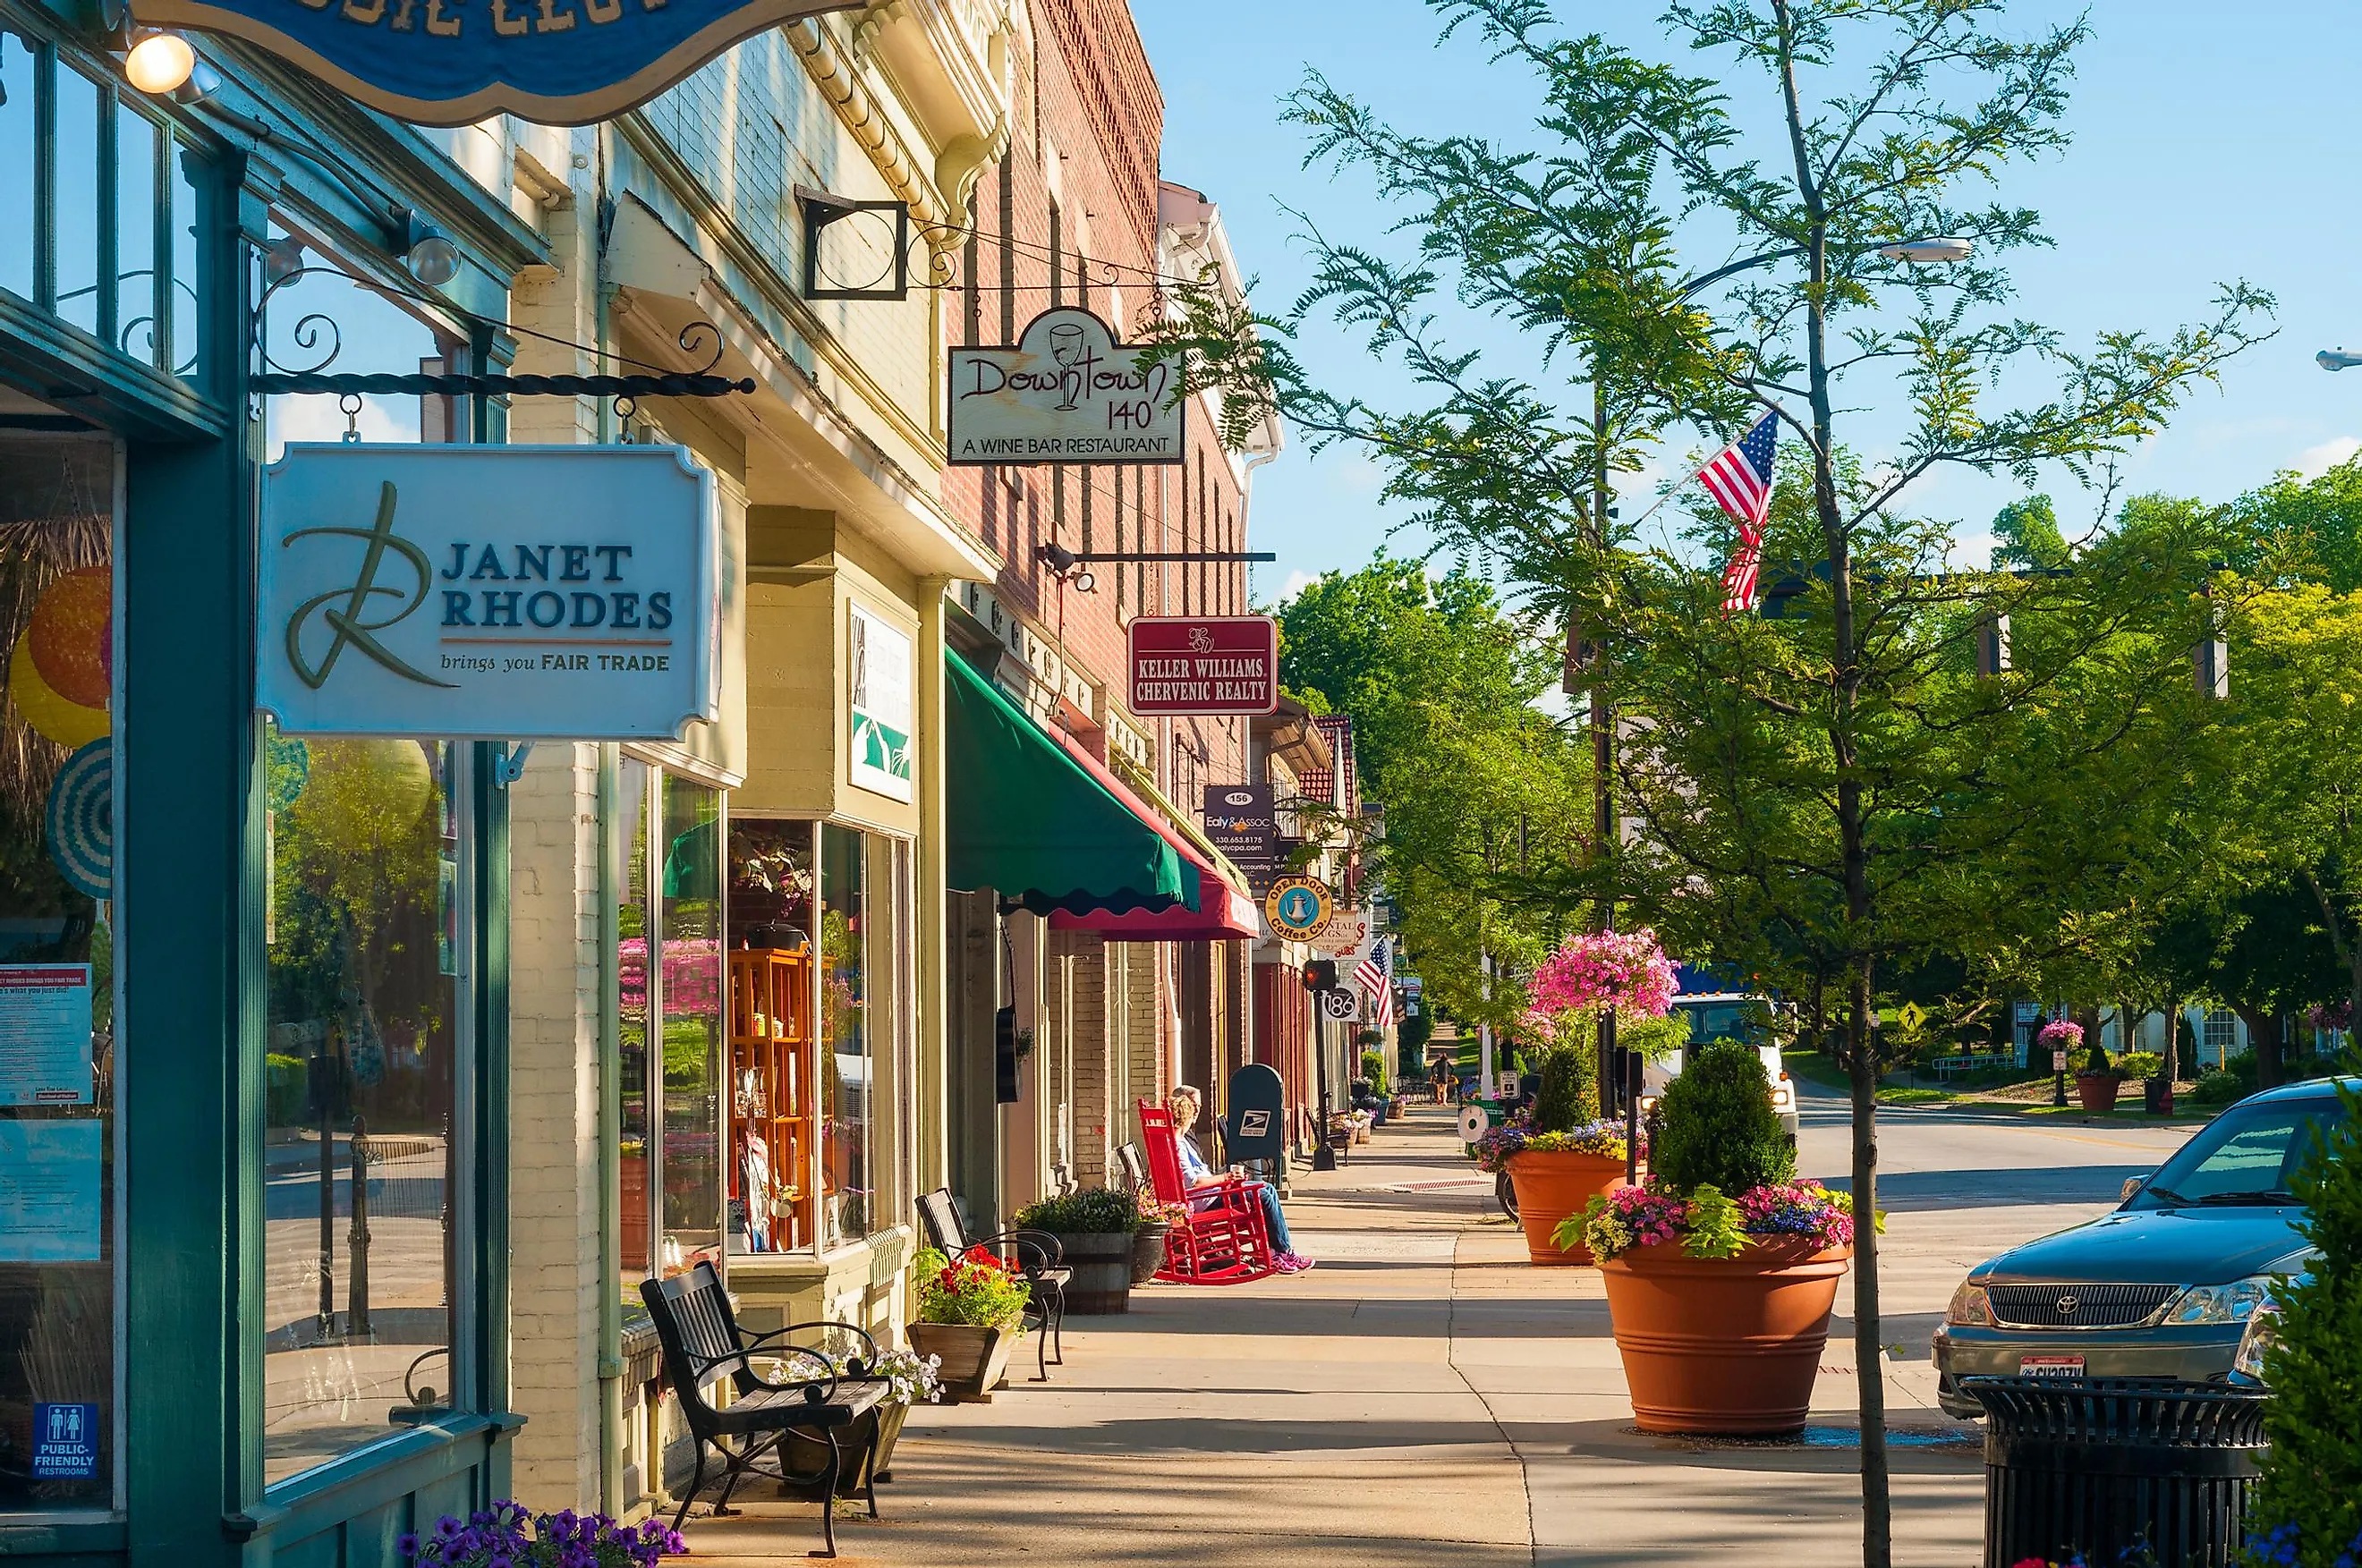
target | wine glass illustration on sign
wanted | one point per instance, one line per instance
(1066, 348)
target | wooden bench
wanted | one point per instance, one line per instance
(704, 1346)
(1037, 1255)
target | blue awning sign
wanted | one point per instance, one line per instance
(454, 62)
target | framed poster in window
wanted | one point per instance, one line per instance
(878, 669)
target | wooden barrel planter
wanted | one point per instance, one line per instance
(1723, 1344)
(1102, 1262)
(975, 1358)
(1148, 1252)
(1550, 1188)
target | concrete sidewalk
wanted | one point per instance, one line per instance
(1424, 1396)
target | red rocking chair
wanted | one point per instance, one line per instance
(1221, 1240)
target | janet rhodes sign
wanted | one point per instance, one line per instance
(1065, 392)
(452, 62)
(493, 593)
(1183, 664)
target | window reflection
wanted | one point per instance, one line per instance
(845, 1034)
(690, 990)
(358, 1159)
(632, 985)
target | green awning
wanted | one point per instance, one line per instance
(1028, 822)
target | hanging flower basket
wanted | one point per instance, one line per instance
(1624, 970)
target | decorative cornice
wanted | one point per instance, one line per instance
(835, 73)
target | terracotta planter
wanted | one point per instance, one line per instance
(1727, 1346)
(1552, 1186)
(974, 1359)
(1148, 1251)
(2098, 1089)
(1102, 1262)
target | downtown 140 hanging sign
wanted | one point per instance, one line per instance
(1065, 391)
(494, 593)
(454, 62)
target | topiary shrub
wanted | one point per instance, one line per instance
(1569, 1092)
(2096, 1064)
(1095, 1211)
(1718, 1128)
(2307, 1511)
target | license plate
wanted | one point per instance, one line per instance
(2050, 1367)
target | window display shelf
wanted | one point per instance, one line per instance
(771, 1077)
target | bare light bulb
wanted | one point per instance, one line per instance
(159, 63)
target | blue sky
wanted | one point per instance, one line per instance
(2211, 143)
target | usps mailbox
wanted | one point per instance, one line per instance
(1256, 1127)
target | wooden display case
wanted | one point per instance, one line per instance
(773, 1086)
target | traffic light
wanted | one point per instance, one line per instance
(1320, 975)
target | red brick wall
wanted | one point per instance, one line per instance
(1069, 218)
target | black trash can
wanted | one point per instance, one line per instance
(2107, 1467)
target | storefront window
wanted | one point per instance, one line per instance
(690, 1000)
(359, 1159)
(773, 1061)
(632, 1041)
(57, 1043)
(845, 1034)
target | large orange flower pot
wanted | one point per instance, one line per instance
(2097, 1091)
(1723, 1344)
(1552, 1186)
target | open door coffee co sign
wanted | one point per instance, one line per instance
(454, 62)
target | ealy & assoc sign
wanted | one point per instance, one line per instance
(1065, 391)
(497, 593)
(454, 62)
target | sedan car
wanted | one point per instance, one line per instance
(2164, 1287)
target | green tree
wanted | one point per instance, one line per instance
(1833, 790)
(2026, 535)
(1479, 785)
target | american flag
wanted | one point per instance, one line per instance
(1740, 482)
(1374, 975)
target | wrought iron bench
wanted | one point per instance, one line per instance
(1038, 1257)
(704, 1346)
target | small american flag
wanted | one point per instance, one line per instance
(1740, 482)
(1374, 975)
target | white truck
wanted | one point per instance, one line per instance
(1732, 1015)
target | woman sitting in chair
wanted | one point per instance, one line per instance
(1183, 1102)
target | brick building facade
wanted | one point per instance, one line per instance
(1075, 213)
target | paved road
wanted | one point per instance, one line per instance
(1426, 1396)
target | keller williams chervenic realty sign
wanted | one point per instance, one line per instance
(1066, 392)
(1185, 664)
(493, 593)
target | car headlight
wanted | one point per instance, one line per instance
(2231, 1303)
(1970, 1306)
(2263, 1330)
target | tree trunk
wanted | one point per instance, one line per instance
(2264, 1040)
(1851, 817)
(2173, 1041)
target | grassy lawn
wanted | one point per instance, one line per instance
(1822, 1072)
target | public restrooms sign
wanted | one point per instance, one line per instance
(454, 62)
(496, 593)
(1065, 392)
